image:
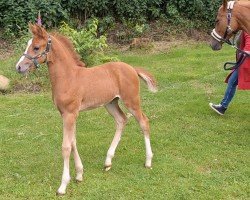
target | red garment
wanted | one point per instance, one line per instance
(244, 69)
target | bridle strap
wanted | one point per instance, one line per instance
(44, 53)
(230, 6)
(216, 36)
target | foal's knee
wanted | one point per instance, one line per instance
(66, 150)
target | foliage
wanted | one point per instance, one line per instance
(87, 43)
(105, 24)
(88, 8)
(14, 15)
(140, 10)
(196, 10)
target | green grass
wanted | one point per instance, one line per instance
(197, 154)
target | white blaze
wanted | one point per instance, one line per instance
(26, 50)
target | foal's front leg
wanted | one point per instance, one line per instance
(78, 162)
(69, 126)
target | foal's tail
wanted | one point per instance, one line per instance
(148, 78)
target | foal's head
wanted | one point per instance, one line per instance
(36, 50)
(226, 25)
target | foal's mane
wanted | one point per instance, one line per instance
(70, 47)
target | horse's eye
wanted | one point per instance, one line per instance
(36, 48)
(216, 21)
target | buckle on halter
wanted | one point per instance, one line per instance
(229, 15)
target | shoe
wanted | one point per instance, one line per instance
(218, 108)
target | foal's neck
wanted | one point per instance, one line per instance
(62, 68)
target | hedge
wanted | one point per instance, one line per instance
(15, 14)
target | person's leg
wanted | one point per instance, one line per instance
(231, 89)
(228, 96)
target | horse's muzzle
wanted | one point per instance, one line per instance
(215, 45)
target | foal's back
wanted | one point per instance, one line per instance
(101, 84)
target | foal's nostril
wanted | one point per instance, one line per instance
(19, 68)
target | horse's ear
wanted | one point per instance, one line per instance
(37, 30)
(224, 4)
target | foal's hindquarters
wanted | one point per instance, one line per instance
(123, 84)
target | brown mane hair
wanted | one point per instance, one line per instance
(70, 47)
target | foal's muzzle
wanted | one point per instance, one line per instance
(22, 68)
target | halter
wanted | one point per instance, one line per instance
(216, 36)
(44, 53)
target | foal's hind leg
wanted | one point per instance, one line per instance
(121, 119)
(134, 107)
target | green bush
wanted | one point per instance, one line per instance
(15, 15)
(202, 12)
(86, 9)
(87, 43)
(119, 9)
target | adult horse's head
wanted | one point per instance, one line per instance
(226, 25)
(36, 51)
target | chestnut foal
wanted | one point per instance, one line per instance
(76, 88)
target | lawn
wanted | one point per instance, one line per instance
(197, 154)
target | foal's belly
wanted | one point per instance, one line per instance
(100, 88)
(96, 102)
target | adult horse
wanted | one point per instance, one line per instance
(232, 17)
(76, 88)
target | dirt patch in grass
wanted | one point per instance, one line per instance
(27, 87)
(6, 50)
(159, 40)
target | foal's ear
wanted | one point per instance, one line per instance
(37, 30)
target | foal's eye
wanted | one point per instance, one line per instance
(36, 48)
(216, 21)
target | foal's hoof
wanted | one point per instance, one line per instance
(148, 166)
(79, 178)
(107, 168)
(58, 193)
